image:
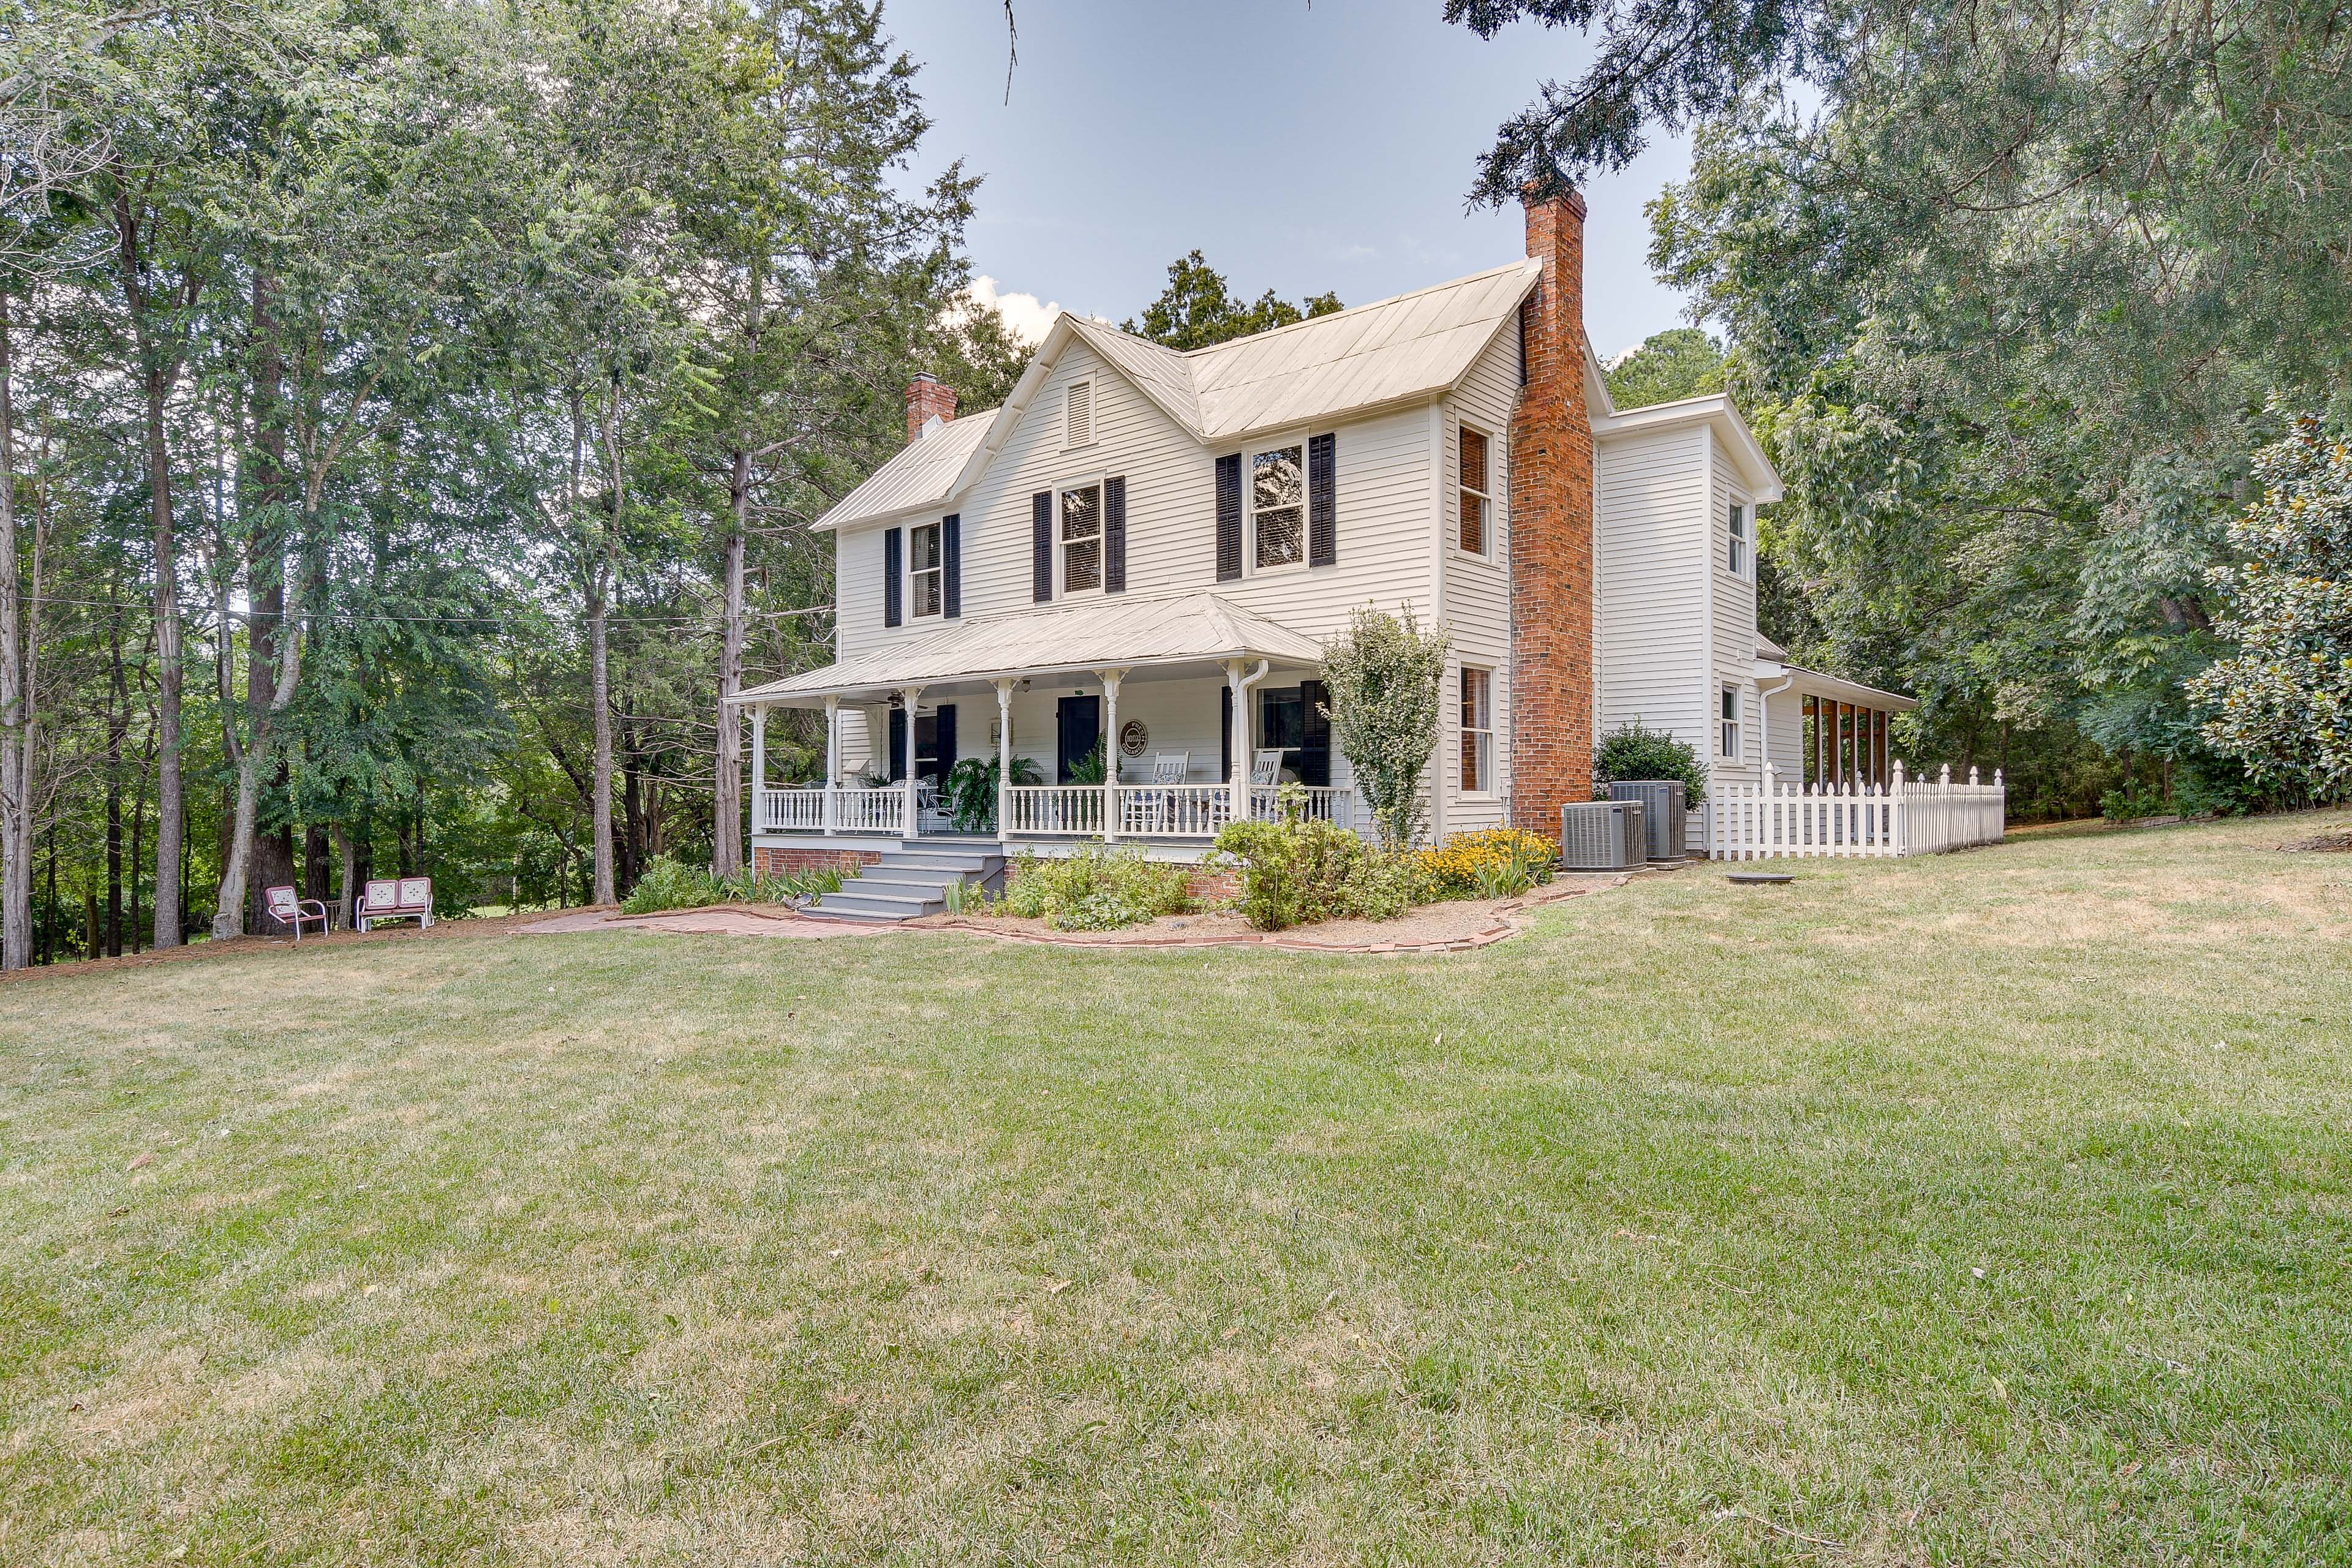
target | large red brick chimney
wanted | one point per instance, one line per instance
(1551, 530)
(926, 398)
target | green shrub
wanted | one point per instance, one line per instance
(1095, 890)
(2134, 801)
(1634, 752)
(969, 792)
(668, 884)
(1296, 872)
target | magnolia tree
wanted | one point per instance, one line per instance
(2282, 702)
(1382, 677)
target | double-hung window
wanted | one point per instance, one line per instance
(925, 572)
(1082, 538)
(1278, 506)
(1477, 731)
(1740, 554)
(1476, 501)
(1727, 741)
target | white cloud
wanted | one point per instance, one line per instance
(1025, 315)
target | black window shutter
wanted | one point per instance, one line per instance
(891, 546)
(1315, 751)
(951, 564)
(943, 717)
(896, 768)
(1322, 501)
(1041, 546)
(1115, 534)
(1225, 731)
(1228, 524)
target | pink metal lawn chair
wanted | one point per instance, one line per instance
(288, 908)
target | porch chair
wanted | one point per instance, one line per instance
(396, 899)
(1266, 773)
(288, 908)
(1153, 811)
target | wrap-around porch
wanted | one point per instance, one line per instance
(1193, 714)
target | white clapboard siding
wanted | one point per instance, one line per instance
(1478, 588)
(1653, 495)
(1733, 621)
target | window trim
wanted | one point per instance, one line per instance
(1094, 416)
(1474, 742)
(939, 570)
(1062, 589)
(1250, 452)
(1486, 531)
(1743, 541)
(1731, 724)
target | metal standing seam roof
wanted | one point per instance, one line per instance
(921, 473)
(1112, 634)
(1391, 351)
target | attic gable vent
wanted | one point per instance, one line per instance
(1078, 414)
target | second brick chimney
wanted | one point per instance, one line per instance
(927, 400)
(1551, 530)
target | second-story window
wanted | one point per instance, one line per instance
(1278, 506)
(1743, 539)
(923, 569)
(1476, 501)
(1082, 541)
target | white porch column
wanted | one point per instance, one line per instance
(912, 696)
(1239, 783)
(1004, 759)
(1110, 680)
(832, 799)
(758, 774)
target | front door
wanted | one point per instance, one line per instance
(1078, 730)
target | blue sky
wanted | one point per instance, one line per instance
(1137, 132)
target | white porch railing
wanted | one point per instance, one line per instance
(1750, 822)
(1144, 811)
(1053, 808)
(1316, 802)
(792, 810)
(1174, 811)
(870, 810)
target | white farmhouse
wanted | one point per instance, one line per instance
(1125, 574)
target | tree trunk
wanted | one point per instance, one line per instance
(727, 796)
(15, 702)
(118, 730)
(270, 856)
(600, 687)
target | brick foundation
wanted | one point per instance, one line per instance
(1552, 532)
(1213, 887)
(771, 860)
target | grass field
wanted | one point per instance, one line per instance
(1989, 1208)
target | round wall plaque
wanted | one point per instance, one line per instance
(1132, 737)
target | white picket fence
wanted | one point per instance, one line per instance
(1906, 817)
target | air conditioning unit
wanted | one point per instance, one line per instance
(1663, 807)
(1603, 835)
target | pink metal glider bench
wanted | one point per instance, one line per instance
(289, 908)
(402, 898)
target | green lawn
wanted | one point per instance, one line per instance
(1989, 1208)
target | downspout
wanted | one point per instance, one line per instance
(1242, 733)
(1764, 718)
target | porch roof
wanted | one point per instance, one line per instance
(1115, 634)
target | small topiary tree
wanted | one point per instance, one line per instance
(1634, 752)
(1382, 676)
(2283, 703)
